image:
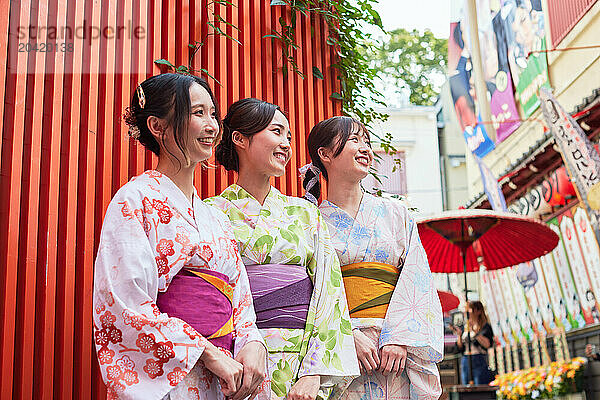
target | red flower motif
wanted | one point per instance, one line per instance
(137, 322)
(162, 263)
(163, 351)
(105, 355)
(146, 343)
(176, 376)
(114, 372)
(165, 247)
(131, 378)
(155, 309)
(114, 335)
(193, 394)
(191, 332)
(182, 238)
(153, 368)
(157, 204)
(126, 210)
(188, 250)
(126, 363)
(206, 253)
(107, 319)
(101, 337)
(147, 205)
(165, 214)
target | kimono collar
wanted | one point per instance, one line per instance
(236, 192)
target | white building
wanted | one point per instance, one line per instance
(415, 137)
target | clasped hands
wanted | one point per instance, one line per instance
(240, 377)
(390, 360)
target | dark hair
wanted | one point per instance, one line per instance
(248, 117)
(166, 96)
(483, 319)
(332, 133)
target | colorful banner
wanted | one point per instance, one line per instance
(496, 70)
(489, 302)
(528, 278)
(580, 156)
(580, 275)
(592, 257)
(525, 319)
(491, 187)
(501, 307)
(568, 286)
(559, 308)
(459, 78)
(543, 298)
(511, 307)
(523, 21)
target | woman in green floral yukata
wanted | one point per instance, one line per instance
(294, 273)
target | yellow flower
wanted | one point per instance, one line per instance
(571, 374)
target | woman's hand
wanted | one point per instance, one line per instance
(366, 352)
(305, 388)
(393, 359)
(224, 367)
(253, 357)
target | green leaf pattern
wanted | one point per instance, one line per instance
(288, 230)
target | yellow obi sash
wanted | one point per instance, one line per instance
(369, 287)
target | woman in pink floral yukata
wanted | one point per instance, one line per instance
(173, 313)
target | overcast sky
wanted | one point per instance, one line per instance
(418, 14)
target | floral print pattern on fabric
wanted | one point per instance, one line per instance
(289, 230)
(384, 231)
(150, 232)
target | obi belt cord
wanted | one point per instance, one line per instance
(369, 287)
(281, 295)
(211, 313)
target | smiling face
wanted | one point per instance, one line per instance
(202, 131)
(355, 159)
(203, 128)
(269, 150)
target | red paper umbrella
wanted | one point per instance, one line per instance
(448, 300)
(455, 239)
(452, 239)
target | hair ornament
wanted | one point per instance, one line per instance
(312, 182)
(130, 120)
(141, 96)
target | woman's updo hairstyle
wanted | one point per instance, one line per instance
(166, 96)
(331, 133)
(248, 117)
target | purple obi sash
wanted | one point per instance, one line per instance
(281, 295)
(202, 298)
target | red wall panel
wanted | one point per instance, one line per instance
(65, 152)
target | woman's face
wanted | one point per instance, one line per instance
(202, 129)
(269, 150)
(355, 159)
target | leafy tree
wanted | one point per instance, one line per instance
(412, 60)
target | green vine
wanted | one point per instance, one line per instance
(346, 22)
(346, 35)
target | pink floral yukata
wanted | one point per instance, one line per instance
(150, 231)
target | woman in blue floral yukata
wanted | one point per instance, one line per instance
(394, 308)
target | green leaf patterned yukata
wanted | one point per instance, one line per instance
(290, 230)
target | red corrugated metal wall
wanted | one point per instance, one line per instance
(65, 152)
(564, 15)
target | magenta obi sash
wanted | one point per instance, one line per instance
(281, 295)
(203, 299)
